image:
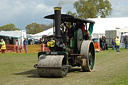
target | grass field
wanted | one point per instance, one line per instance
(111, 68)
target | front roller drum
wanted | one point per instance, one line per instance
(88, 50)
(51, 66)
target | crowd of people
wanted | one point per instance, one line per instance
(116, 44)
(47, 43)
(103, 43)
(43, 42)
(18, 48)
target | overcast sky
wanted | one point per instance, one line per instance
(24, 12)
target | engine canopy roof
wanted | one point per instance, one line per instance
(69, 18)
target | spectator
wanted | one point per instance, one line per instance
(126, 41)
(113, 44)
(117, 41)
(45, 39)
(42, 44)
(16, 45)
(20, 47)
(25, 42)
(3, 46)
(106, 43)
(101, 43)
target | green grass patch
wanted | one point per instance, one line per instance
(111, 68)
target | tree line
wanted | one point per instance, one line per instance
(8, 27)
(84, 9)
(36, 28)
(32, 28)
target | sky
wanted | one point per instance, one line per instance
(24, 12)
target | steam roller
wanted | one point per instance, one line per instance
(70, 46)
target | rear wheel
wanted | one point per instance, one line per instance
(87, 49)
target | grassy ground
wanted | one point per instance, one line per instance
(111, 68)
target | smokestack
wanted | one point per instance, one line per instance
(57, 15)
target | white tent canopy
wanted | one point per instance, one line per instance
(97, 35)
(15, 34)
(103, 24)
(46, 32)
(126, 34)
(19, 34)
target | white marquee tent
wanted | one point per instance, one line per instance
(103, 24)
(15, 34)
(46, 32)
(126, 34)
(20, 35)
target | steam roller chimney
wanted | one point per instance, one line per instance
(57, 16)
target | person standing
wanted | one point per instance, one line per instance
(25, 42)
(101, 43)
(20, 46)
(3, 46)
(42, 44)
(117, 41)
(113, 44)
(104, 46)
(16, 45)
(126, 41)
(106, 43)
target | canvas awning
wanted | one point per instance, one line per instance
(46, 32)
(14, 34)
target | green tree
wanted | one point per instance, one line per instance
(8, 27)
(70, 13)
(93, 8)
(33, 28)
(45, 27)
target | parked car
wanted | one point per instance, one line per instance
(36, 41)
